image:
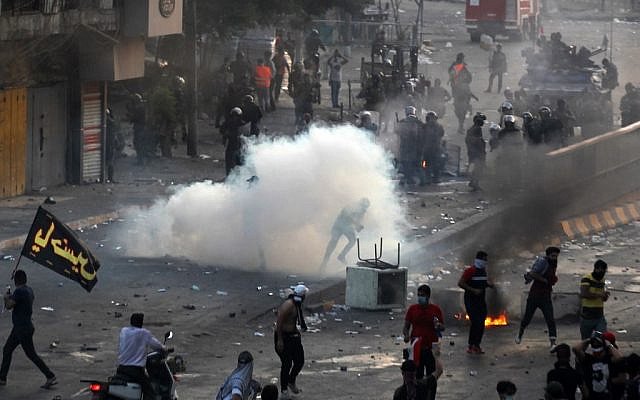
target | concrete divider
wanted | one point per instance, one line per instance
(593, 172)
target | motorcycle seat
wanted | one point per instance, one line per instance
(119, 379)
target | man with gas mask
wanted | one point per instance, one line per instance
(423, 326)
(288, 342)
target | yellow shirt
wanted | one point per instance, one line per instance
(592, 308)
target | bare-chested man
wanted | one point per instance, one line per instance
(288, 341)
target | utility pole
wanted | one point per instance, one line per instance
(192, 62)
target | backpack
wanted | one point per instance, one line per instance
(527, 275)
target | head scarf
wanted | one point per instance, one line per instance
(480, 264)
(239, 379)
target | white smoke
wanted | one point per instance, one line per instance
(303, 184)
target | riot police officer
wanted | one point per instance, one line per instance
(231, 135)
(410, 153)
(532, 129)
(476, 150)
(432, 135)
(506, 108)
(510, 145)
(630, 105)
(551, 128)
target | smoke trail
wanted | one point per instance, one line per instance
(287, 213)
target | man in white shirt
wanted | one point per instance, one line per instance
(335, 64)
(132, 353)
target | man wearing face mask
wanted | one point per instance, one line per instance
(593, 294)
(288, 342)
(423, 326)
(474, 281)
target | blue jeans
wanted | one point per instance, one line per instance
(335, 93)
(587, 326)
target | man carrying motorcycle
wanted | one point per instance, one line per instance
(132, 353)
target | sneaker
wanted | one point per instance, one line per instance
(552, 346)
(518, 339)
(50, 382)
(471, 350)
(284, 395)
(294, 389)
(478, 350)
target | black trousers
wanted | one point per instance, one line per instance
(22, 336)
(545, 305)
(291, 357)
(477, 311)
(138, 375)
(427, 364)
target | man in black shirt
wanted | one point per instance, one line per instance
(21, 302)
(564, 373)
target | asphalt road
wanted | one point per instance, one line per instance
(84, 327)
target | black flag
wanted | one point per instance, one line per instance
(54, 245)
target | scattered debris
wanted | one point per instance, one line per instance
(47, 308)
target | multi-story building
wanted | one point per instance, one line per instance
(56, 58)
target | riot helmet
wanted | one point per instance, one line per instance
(527, 116)
(236, 111)
(410, 111)
(544, 112)
(506, 107)
(431, 116)
(509, 119)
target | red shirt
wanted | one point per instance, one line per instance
(421, 320)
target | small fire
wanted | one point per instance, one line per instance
(424, 164)
(499, 320)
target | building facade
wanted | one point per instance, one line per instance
(56, 59)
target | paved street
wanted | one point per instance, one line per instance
(216, 312)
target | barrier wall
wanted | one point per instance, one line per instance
(596, 171)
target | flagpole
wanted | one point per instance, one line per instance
(17, 264)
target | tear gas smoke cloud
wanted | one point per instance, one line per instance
(288, 212)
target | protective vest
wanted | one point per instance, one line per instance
(263, 76)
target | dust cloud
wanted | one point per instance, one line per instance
(287, 213)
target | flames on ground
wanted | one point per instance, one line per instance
(491, 320)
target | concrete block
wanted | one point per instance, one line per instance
(376, 289)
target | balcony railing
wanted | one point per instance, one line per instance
(48, 7)
(26, 19)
